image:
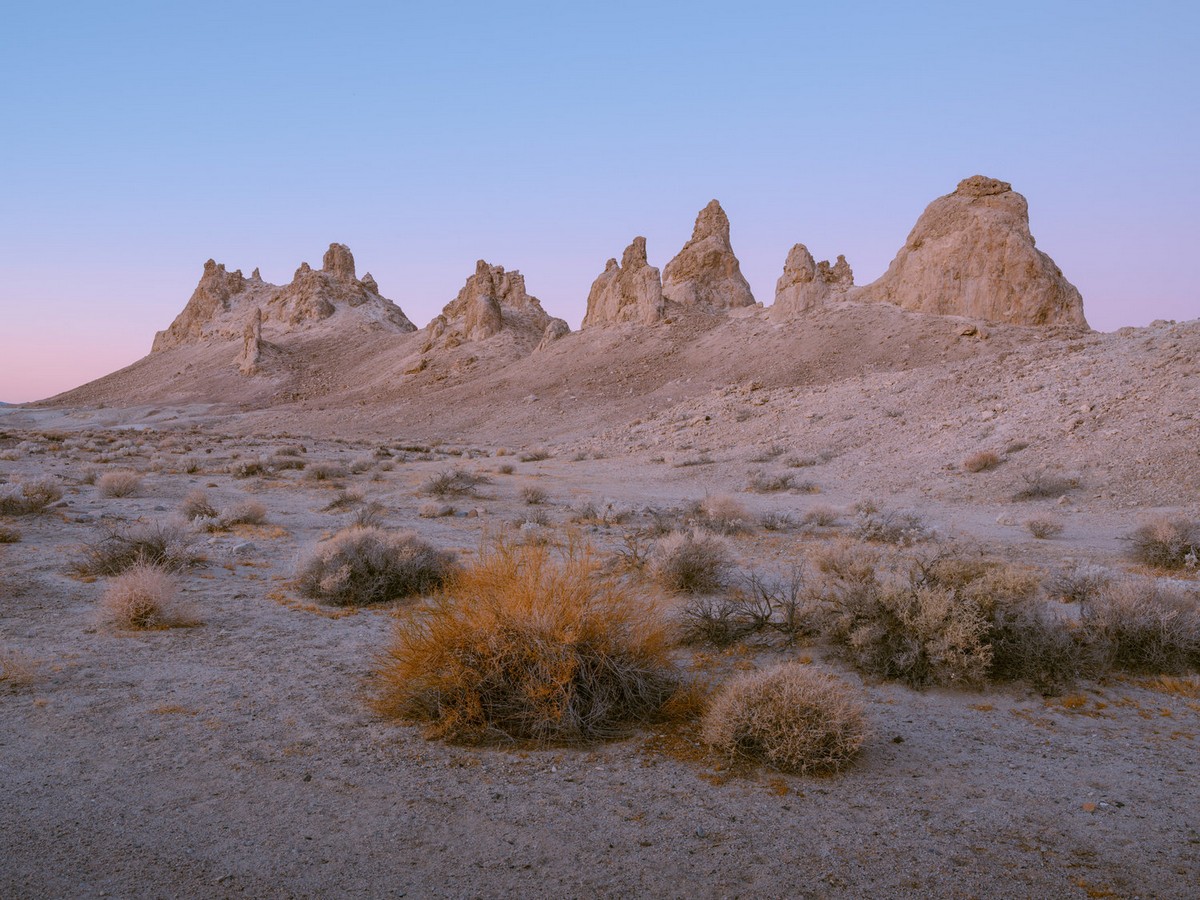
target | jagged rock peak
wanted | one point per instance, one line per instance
(706, 271)
(339, 262)
(806, 284)
(212, 297)
(491, 301)
(971, 254)
(629, 292)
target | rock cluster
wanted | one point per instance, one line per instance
(225, 302)
(629, 292)
(806, 284)
(971, 254)
(494, 301)
(706, 271)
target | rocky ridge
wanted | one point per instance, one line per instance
(629, 292)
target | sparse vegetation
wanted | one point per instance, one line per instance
(526, 646)
(761, 482)
(324, 470)
(453, 483)
(28, 497)
(1043, 527)
(1167, 543)
(1041, 484)
(724, 514)
(890, 526)
(165, 545)
(790, 717)
(144, 596)
(1142, 625)
(17, 670)
(360, 566)
(691, 562)
(9, 535)
(343, 500)
(760, 604)
(535, 454)
(119, 483)
(533, 496)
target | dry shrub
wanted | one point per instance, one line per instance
(369, 516)
(434, 510)
(248, 468)
(162, 544)
(1043, 527)
(724, 514)
(790, 717)
(29, 497)
(1167, 543)
(142, 597)
(890, 526)
(821, 517)
(761, 603)
(453, 483)
(1031, 642)
(17, 670)
(537, 454)
(761, 482)
(1141, 625)
(693, 562)
(983, 461)
(119, 483)
(777, 520)
(9, 535)
(528, 646)
(505, 469)
(533, 496)
(1078, 583)
(324, 471)
(248, 512)
(197, 505)
(358, 566)
(343, 500)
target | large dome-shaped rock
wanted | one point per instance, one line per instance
(971, 254)
(492, 301)
(629, 292)
(706, 271)
(224, 302)
(807, 284)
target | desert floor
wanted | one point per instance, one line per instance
(241, 758)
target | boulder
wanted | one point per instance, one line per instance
(971, 254)
(629, 292)
(706, 271)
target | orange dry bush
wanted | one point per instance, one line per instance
(982, 461)
(526, 645)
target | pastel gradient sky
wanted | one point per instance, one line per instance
(141, 138)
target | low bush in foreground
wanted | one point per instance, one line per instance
(359, 566)
(453, 483)
(983, 461)
(528, 646)
(1167, 543)
(166, 545)
(790, 717)
(143, 597)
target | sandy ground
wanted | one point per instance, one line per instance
(239, 758)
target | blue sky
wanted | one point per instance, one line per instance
(142, 138)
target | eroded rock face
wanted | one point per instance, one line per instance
(706, 271)
(224, 302)
(252, 344)
(806, 284)
(971, 254)
(629, 292)
(491, 301)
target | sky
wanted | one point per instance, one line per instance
(138, 139)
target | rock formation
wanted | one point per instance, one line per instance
(492, 301)
(224, 302)
(252, 344)
(971, 254)
(629, 292)
(806, 284)
(706, 271)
